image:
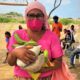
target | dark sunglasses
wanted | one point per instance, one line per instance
(38, 15)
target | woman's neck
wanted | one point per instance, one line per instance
(35, 35)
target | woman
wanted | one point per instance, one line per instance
(37, 30)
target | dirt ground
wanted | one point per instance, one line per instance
(6, 71)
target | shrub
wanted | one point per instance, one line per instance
(22, 21)
(66, 21)
(6, 20)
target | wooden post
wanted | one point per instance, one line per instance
(13, 4)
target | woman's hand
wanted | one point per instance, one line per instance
(56, 63)
(22, 53)
(25, 55)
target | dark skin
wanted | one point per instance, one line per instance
(57, 64)
(57, 27)
(21, 53)
(28, 56)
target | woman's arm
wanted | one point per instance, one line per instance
(56, 53)
(11, 59)
(21, 53)
(56, 64)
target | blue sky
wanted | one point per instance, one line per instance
(68, 8)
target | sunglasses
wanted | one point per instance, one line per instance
(32, 15)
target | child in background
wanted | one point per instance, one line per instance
(7, 36)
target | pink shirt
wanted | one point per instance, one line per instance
(48, 41)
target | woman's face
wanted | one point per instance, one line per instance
(35, 13)
(35, 20)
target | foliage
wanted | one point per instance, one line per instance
(16, 17)
(11, 17)
(5, 20)
(22, 21)
(13, 13)
(66, 21)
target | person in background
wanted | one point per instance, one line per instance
(37, 30)
(7, 36)
(72, 29)
(75, 52)
(56, 26)
(20, 27)
(63, 39)
(68, 40)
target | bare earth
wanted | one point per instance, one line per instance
(6, 71)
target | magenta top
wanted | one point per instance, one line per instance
(48, 41)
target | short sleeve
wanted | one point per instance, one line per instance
(12, 41)
(56, 50)
(22, 34)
